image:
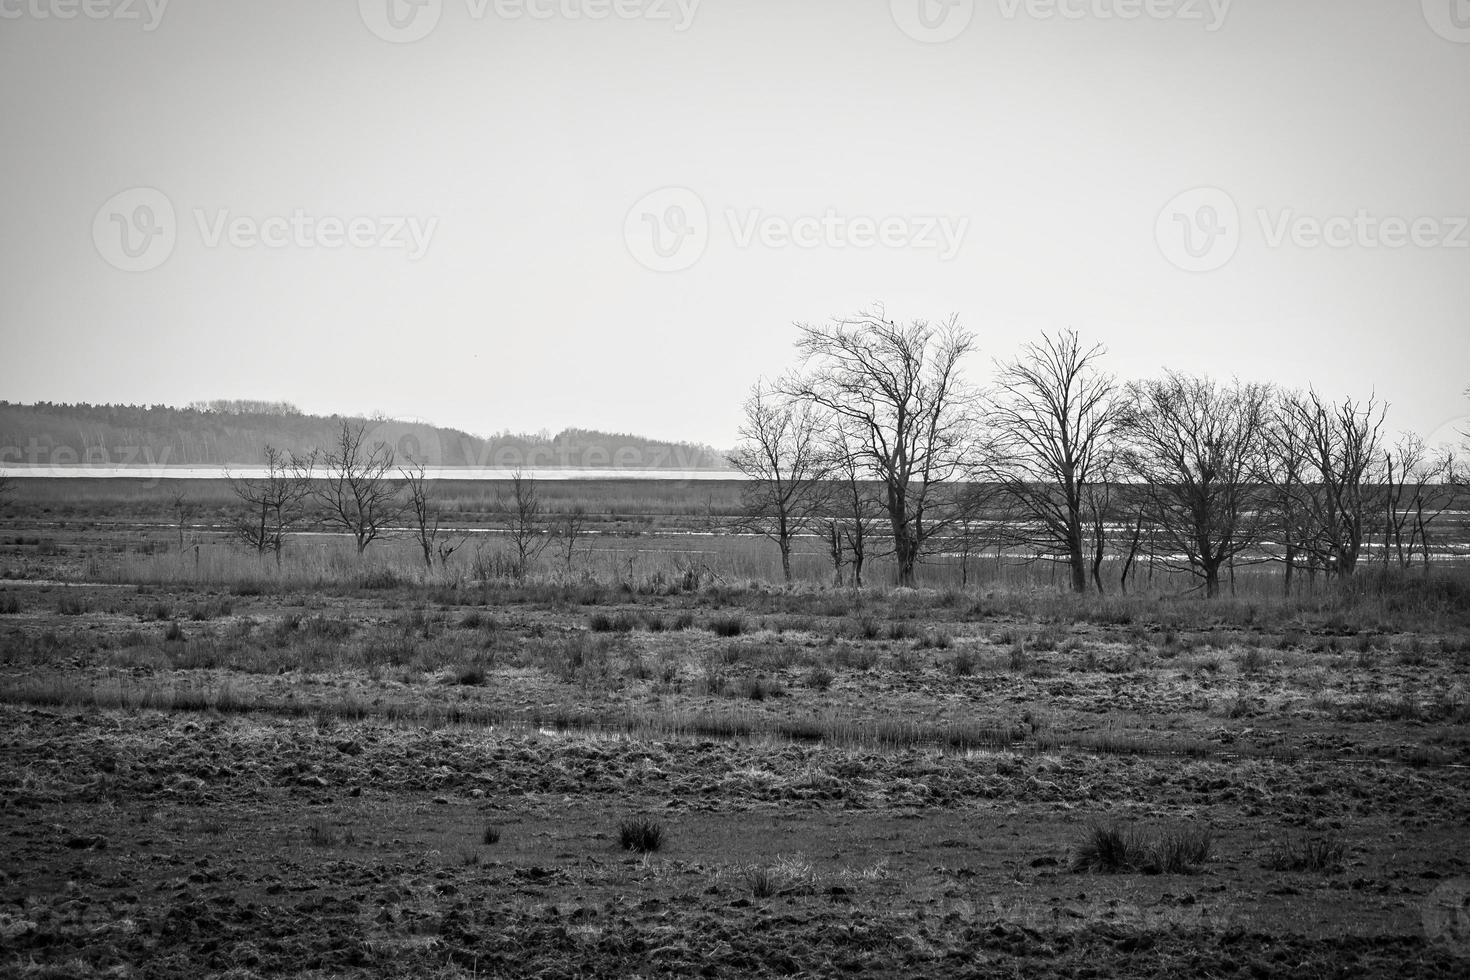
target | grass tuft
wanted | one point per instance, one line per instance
(1321, 854)
(1117, 850)
(727, 626)
(640, 834)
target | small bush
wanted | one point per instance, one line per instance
(320, 833)
(898, 630)
(1046, 641)
(712, 681)
(935, 640)
(381, 579)
(603, 623)
(1114, 850)
(1323, 854)
(1253, 661)
(762, 882)
(1413, 655)
(471, 675)
(760, 688)
(963, 664)
(174, 633)
(727, 626)
(9, 605)
(684, 621)
(490, 835)
(1108, 849)
(819, 678)
(653, 622)
(641, 834)
(474, 619)
(1179, 852)
(202, 612)
(1018, 658)
(70, 605)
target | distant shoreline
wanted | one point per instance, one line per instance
(187, 472)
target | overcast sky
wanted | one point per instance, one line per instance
(461, 212)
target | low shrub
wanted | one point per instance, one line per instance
(640, 834)
(1115, 850)
(727, 626)
(935, 640)
(963, 664)
(1322, 854)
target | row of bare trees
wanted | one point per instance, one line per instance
(359, 487)
(876, 442)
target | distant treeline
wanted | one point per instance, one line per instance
(236, 433)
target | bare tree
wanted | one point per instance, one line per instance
(1282, 475)
(357, 490)
(1413, 485)
(974, 528)
(1457, 461)
(183, 508)
(570, 528)
(899, 392)
(521, 513)
(1342, 446)
(270, 505)
(829, 530)
(427, 515)
(1194, 446)
(1128, 500)
(855, 510)
(1098, 508)
(1053, 418)
(781, 456)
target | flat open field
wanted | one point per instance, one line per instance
(382, 776)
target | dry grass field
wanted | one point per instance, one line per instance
(209, 768)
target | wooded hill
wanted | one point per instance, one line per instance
(236, 433)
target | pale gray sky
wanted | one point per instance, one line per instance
(1026, 168)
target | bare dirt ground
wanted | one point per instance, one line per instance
(413, 781)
